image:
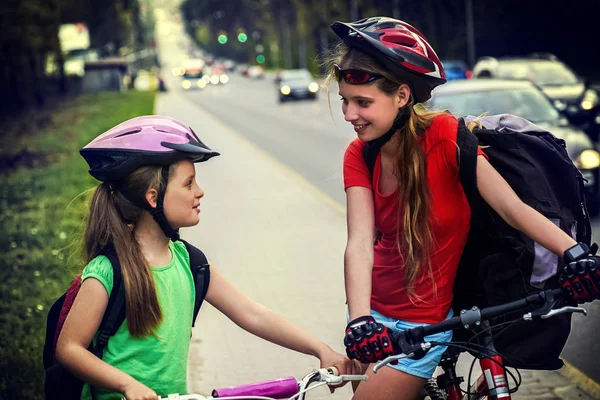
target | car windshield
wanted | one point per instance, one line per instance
(298, 75)
(542, 73)
(296, 79)
(527, 103)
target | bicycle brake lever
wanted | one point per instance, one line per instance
(333, 379)
(568, 309)
(389, 359)
(562, 310)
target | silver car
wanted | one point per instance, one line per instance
(524, 99)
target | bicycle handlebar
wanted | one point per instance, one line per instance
(412, 341)
(276, 389)
(474, 315)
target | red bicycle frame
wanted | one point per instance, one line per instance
(492, 383)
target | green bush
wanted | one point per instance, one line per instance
(41, 223)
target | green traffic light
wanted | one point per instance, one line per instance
(222, 39)
(242, 37)
(260, 59)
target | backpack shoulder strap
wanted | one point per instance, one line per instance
(115, 310)
(201, 273)
(467, 161)
(370, 152)
(467, 168)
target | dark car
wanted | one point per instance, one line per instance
(524, 99)
(568, 92)
(456, 69)
(297, 84)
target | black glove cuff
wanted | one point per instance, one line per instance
(365, 319)
(577, 252)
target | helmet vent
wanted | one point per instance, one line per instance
(386, 25)
(163, 129)
(129, 132)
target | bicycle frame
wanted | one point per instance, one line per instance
(492, 383)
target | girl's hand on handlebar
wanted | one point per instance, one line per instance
(343, 364)
(138, 391)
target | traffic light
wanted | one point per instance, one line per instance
(222, 38)
(242, 37)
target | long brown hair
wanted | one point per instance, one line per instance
(416, 243)
(111, 221)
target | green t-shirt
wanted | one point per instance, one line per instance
(158, 362)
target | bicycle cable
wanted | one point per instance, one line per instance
(495, 336)
(307, 389)
(462, 345)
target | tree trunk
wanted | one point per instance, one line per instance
(63, 86)
(36, 88)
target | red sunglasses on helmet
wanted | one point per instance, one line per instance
(355, 76)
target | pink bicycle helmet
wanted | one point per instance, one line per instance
(399, 47)
(146, 140)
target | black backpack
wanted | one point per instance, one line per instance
(500, 264)
(60, 384)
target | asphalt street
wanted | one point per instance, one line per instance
(310, 138)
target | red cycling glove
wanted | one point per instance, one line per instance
(581, 279)
(368, 341)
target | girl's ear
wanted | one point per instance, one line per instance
(402, 95)
(152, 197)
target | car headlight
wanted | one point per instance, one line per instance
(313, 87)
(285, 90)
(186, 84)
(224, 79)
(590, 99)
(214, 79)
(589, 159)
(201, 83)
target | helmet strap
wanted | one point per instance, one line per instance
(157, 212)
(399, 122)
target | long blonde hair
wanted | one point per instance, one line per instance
(111, 221)
(416, 243)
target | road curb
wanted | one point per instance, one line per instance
(580, 379)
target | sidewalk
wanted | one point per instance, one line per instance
(281, 241)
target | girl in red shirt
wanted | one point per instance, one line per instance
(414, 205)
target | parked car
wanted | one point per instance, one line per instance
(568, 92)
(524, 99)
(297, 84)
(456, 69)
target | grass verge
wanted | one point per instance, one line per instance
(41, 220)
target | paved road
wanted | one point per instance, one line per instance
(303, 136)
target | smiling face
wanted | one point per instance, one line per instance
(371, 110)
(182, 198)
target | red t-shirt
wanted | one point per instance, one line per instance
(449, 223)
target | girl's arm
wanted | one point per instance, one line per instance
(358, 257)
(80, 326)
(500, 196)
(266, 324)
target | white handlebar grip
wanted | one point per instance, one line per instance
(333, 371)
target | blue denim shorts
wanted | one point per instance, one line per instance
(425, 367)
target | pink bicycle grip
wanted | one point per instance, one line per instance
(278, 389)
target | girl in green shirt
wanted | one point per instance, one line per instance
(148, 192)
